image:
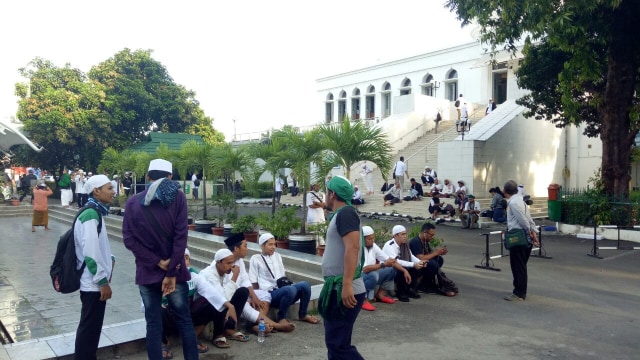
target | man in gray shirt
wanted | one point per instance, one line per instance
(344, 291)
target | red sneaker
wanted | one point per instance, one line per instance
(366, 305)
(386, 300)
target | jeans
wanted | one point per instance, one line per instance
(203, 312)
(90, 326)
(499, 215)
(284, 297)
(383, 277)
(179, 302)
(337, 334)
(429, 272)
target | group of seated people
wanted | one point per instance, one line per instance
(224, 292)
(406, 266)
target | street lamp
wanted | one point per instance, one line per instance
(435, 85)
(463, 126)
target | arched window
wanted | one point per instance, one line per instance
(342, 106)
(427, 85)
(328, 109)
(371, 102)
(451, 89)
(386, 99)
(355, 104)
(405, 87)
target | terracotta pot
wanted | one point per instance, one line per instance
(251, 236)
(217, 231)
(320, 250)
(192, 227)
(282, 244)
(15, 202)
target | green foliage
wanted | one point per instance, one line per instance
(245, 223)
(226, 205)
(281, 223)
(381, 231)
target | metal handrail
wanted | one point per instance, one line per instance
(432, 141)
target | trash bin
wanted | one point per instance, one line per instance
(555, 210)
(553, 191)
(187, 189)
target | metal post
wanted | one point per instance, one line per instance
(594, 251)
(486, 262)
(542, 253)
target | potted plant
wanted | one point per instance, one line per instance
(246, 224)
(319, 231)
(280, 224)
(224, 202)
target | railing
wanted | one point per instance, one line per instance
(424, 148)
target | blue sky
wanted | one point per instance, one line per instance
(254, 61)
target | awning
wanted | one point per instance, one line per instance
(10, 136)
(499, 57)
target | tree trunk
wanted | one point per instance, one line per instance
(616, 133)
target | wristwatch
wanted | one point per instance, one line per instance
(382, 266)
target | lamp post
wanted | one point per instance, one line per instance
(435, 85)
(463, 126)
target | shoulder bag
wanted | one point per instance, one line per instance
(280, 282)
(515, 237)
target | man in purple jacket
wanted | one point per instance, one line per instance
(154, 229)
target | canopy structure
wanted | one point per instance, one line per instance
(10, 136)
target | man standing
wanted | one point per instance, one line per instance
(154, 229)
(195, 184)
(28, 182)
(400, 171)
(490, 107)
(343, 292)
(367, 174)
(126, 183)
(458, 104)
(66, 195)
(92, 248)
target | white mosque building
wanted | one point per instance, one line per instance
(404, 96)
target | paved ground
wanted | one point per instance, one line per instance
(578, 307)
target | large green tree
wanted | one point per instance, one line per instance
(595, 60)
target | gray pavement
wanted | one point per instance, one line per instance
(578, 307)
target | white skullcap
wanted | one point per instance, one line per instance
(161, 165)
(264, 238)
(398, 229)
(367, 230)
(187, 252)
(222, 254)
(95, 182)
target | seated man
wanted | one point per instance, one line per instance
(428, 176)
(415, 193)
(470, 213)
(435, 207)
(379, 270)
(421, 249)
(393, 194)
(398, 248)
(435, 187)
(357, 197)
(213, 280)
(264, 271)
(447, 189)
(258, 299)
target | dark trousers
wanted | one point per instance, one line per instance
(401, 285)
(202, 312)
(428, 273)
(337, 334)
(518, 258)
(90, 326)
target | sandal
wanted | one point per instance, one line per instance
(239, 336)
(310, 319)
(166, 352)
(202, 348)
(221, 343)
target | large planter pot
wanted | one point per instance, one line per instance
(320, 250)
(15, 202)
(251, 236)
(217, 231)
(282, 244)
(305, 243)
(227, 229)
(204, 226)
(192, 227)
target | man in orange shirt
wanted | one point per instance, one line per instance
(40, 207)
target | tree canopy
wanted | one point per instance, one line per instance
(581, 65)
(75, 116)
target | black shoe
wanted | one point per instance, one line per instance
(403, 298)
(414, 294)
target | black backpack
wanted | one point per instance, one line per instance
(196, 182)
(457, 103)
(65, 278)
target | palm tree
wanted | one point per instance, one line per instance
(301, 150)
(272, 153)
(200, 155)
(348, 143)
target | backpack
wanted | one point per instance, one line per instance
(65, 277)
(457, 103)
(196, 182)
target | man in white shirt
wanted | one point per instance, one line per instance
(447, 189)
(400, 171)
(315, 205)
(357, 197)
(367, 175)
(398, 248)
(470, 213)
(278, 187)
(379, 270)
(80, 193)
(459, 102)
(195, 184)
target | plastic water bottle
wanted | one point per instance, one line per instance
(261, 329)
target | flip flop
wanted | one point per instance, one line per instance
(239, 336)
(202, 348)
(166, 352)
(221, 343)
(310, 319)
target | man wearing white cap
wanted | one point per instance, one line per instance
(154, 229)
(92, 249)
(343, 292)
(80, 194)
(379, 270)
(398, 248)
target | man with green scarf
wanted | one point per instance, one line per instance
(344, 291)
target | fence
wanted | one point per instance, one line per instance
(589, 206)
